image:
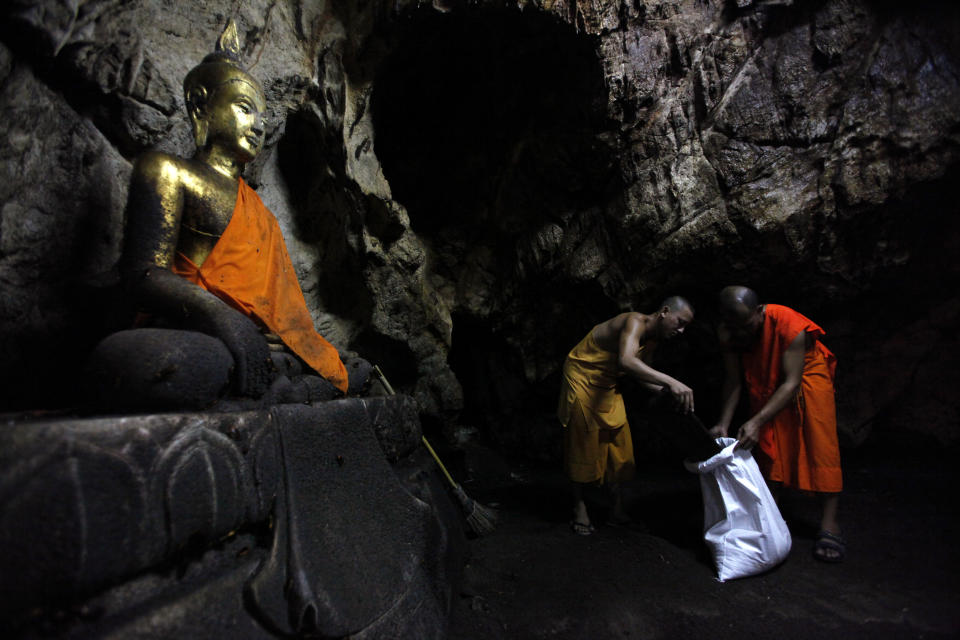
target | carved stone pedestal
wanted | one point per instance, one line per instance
(317, 521)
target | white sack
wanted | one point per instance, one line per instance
(742, 525)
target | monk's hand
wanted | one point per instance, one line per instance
(748, 435)
(682, 395)
(719, 431)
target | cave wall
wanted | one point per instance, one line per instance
(466, 187)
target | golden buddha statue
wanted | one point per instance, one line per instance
(201, 251)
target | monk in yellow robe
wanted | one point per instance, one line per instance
(776, 352)
(597, 445)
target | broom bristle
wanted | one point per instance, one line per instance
(481, 520)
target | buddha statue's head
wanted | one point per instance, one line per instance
(226, 104)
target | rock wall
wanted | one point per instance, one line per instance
(466, 187)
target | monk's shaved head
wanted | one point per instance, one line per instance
(676, 303)
(674, 314)
(738, 302)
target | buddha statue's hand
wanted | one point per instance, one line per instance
(358, 374)
(253, 369)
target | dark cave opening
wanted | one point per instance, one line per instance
(328, 210)
(487, 370)
(490, 124)
(490, 118)
(510, 382)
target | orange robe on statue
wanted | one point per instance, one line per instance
(597, 446)
(798, 447)
(249, 269)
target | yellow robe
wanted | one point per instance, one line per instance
(597, 444)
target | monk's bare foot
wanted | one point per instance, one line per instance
(580, 524)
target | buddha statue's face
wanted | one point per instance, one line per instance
(234, 115)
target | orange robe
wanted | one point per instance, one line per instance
(798, 447)
(249, 269)
(597, 445)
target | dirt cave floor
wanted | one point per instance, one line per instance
(533, 578)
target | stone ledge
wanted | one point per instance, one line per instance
(87, 504)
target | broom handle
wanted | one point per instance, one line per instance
(437, 458)
(383, 379)
(433, 453)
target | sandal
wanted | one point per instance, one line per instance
(827, 541)
(581, 528)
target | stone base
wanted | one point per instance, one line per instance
(288, 521)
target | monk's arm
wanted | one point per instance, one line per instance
(653, 387)
(154, 211)
(792, 368)
(730, 396)
(629, 344)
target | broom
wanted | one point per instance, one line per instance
(480, 519)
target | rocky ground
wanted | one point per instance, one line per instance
(533, 578)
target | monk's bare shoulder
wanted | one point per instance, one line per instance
(637, 323)
(607, 334)
(631, 321)
(634, 316)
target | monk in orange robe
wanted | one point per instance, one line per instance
(776, 352)
(597, 444)
(249, 269)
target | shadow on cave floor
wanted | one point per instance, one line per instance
(533, 578)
